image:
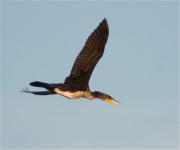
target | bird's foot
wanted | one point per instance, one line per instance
(25, 90)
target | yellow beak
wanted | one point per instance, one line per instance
(112, 101)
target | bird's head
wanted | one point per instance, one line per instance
(105, 97)
(111, 100)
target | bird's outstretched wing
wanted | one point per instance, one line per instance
(88, 57)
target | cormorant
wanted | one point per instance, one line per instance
(76, 84)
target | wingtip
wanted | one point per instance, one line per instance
(104, 20)
(104, 25)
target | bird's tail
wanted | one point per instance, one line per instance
(41, 84)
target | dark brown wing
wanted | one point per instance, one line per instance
(88, 57)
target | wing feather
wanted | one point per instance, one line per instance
(89, 56)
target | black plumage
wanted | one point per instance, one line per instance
(88, 57)
(76, 85)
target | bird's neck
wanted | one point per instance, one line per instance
(89, 95)
(99, 95)
(96, 94)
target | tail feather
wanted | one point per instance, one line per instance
(40, 84)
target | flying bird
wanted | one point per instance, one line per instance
(76, 85)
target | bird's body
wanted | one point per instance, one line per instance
(69, 94)
(76, 84)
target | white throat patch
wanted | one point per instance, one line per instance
(69, 94)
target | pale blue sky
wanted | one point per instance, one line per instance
(40, 41)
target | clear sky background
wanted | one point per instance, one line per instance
(40, 41)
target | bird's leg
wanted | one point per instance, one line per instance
(26, 90)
